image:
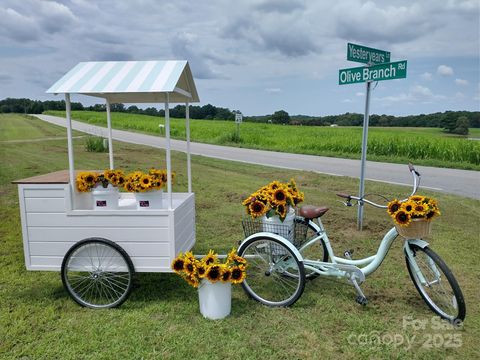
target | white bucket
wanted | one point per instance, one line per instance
(152, 199)
(285, 229)
(215, 299)
(105, 198)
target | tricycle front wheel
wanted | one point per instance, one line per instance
(275, 275)
(97, 273)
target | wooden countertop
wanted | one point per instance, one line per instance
(56, 177)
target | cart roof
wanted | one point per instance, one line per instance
(130, 81)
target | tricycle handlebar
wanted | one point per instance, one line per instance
(416, 184)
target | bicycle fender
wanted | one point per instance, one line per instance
(281, 239)
(420, 243)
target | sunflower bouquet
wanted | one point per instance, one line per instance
(273, 199)
(210, 268)
(87, 180)
(139, 181)
(416, 207)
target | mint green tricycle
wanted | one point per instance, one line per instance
(278, 268)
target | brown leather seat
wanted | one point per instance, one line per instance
(312, 212)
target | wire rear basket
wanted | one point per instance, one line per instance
(296, 233)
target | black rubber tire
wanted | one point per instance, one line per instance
(126, 282)
(277, 279)
(316, 251)
(458, 315)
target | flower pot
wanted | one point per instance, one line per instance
(215, 299)
(417, 229)
(147, 200)
(105, 198)
(285, 229)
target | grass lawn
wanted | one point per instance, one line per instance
(161, 319)
(423, 146)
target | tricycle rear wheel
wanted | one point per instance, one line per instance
(97, 273)
(275, 274)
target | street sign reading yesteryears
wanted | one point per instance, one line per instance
(366, 55)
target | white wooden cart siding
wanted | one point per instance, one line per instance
(55, 216)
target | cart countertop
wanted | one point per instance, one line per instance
(56, 177)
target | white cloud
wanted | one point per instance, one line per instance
(273, 90)
(444, 70)
(427, 76)
(347, 101)
(461, 82)
(416, 94)
(360, 94)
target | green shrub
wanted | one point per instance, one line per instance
(96, 144)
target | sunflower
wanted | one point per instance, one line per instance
(82, 186)
(226, 273)
(281, 211)
(178, 264)
(189, 266)
(192, 280)
(238, 274)
(214, 273)
(145, 181)
(274, 185)
(210, 258)
(393, 206)
(257, 209)
(280, 196)
(249, 200)
(417, 198)
(201, 269)
(90, 179)
(419, 210)
(408, 207)
(402, 218)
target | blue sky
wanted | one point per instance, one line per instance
(255, 56)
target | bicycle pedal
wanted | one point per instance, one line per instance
(362, 300)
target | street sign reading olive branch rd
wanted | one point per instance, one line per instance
(378, 67)
(388, 71)
(366, 55)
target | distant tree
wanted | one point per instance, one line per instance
(117, 107)
(461, 126)
(133, 109)
(280, 117)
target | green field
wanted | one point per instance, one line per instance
(161, 319)
(423, 146)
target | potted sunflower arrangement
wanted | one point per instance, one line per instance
(147, 187)
(413, 217)
(275, 205)
(103, 186)
(213, 279)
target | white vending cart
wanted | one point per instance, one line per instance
(97, 252)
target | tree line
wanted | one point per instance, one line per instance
(451, 121)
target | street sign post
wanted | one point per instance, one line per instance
(238, 121)
(378, 68)
(388, 71)
(366, 55)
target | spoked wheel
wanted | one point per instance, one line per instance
(316, 251)
(97, 273)
(436, 284)
(275, 275)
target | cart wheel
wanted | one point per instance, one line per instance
(275, 275)
(97, 273)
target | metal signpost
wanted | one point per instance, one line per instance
(238, 121)
(378, 67)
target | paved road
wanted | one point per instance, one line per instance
(460, 182)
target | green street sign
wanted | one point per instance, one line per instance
(389, 71)
(366, 55)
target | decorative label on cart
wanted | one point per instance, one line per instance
(101, 203)
(144, 203)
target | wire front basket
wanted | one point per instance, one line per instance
(296, 233)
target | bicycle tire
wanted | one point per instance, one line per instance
(275, 275)
(450, 304)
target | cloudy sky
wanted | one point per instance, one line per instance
(255, 56)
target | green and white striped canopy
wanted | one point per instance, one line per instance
(130, 81)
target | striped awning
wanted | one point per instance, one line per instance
(130, 81)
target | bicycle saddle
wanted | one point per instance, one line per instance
(312, 212)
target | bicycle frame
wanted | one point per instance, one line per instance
(343, 267)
